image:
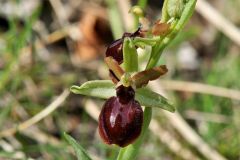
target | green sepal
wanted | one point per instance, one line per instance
(130, 56)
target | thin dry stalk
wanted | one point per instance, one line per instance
(221, 23)
(200, 88)
(186, 131)
(168, 139)
(209, 117)
(45, 112)
(9, 148)
(60, 12)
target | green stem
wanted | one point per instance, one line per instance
(142, 3)
(136, 21)
(146, 41)
(158, 49)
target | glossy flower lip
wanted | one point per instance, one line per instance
(120, 124)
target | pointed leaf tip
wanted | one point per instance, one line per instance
(149, 98)
(97, 88)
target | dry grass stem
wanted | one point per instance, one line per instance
(221, 23)
(186, 131)
(168, 139)
(45, 112)
(60, 12)
(200, 88)
(209, 117)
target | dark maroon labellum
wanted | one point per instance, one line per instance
(121, 118)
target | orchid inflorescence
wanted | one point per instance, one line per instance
(122, 120)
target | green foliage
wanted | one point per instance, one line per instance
(80, 152)
(175, 8)
(105, 89)
(149, 98)
(97, 88)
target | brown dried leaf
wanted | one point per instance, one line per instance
(142, 78)
(160, 29)
(114, 67)
(95, 31)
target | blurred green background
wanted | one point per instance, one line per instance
(47, 46)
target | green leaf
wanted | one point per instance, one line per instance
(105, 89)
(80, 152)
(97, 88)
(149, 98)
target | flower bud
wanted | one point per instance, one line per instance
(175, 8)
(115, 49)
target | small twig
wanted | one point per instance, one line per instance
(169, 140)
(192, 137)
(60, 12)
(34, 132)
(5, 146)
(41, 137)
(209, 117)
(51, 38)
(45, 112)
(31, 88)
(221, 23)
(200, 88)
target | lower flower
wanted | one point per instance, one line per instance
(120, 121)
